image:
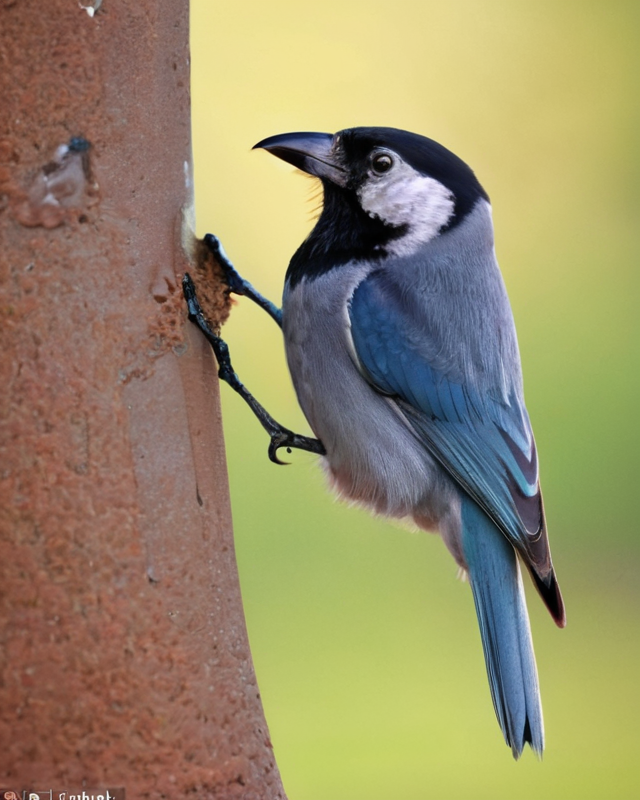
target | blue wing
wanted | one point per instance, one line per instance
(484, 441)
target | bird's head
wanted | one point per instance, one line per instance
(385, 190)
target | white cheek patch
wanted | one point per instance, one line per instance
(403, 196)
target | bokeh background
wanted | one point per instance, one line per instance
(365, 644)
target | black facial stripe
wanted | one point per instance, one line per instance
(343, 233)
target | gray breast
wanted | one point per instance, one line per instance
(373, 457)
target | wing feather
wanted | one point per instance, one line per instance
(483, 440)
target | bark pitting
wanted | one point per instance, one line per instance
(60, 187)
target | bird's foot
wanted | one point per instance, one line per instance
(279, 435)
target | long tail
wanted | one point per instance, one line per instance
(498, 593)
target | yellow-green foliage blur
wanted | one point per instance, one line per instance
(366, 646)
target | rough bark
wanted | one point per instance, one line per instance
(123, 652)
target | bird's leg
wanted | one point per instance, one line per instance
(280, 436)
(236, 284)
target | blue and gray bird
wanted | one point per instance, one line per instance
(403, 353)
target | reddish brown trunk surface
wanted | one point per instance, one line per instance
(124, 658)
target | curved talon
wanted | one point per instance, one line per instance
(275, 444)
(288, 439)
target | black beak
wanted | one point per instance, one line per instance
(310, 152)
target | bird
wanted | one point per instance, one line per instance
(402, 349)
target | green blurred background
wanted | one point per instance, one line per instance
(365, 644)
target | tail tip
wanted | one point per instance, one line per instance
(535, 740)
(549, 590)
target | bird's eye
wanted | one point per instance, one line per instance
(381, 163)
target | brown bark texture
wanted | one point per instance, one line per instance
(124, 659)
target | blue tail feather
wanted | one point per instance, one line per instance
(498, 593)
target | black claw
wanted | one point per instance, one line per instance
(273, 455)
(283, 437)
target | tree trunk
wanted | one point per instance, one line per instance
(124, 659)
